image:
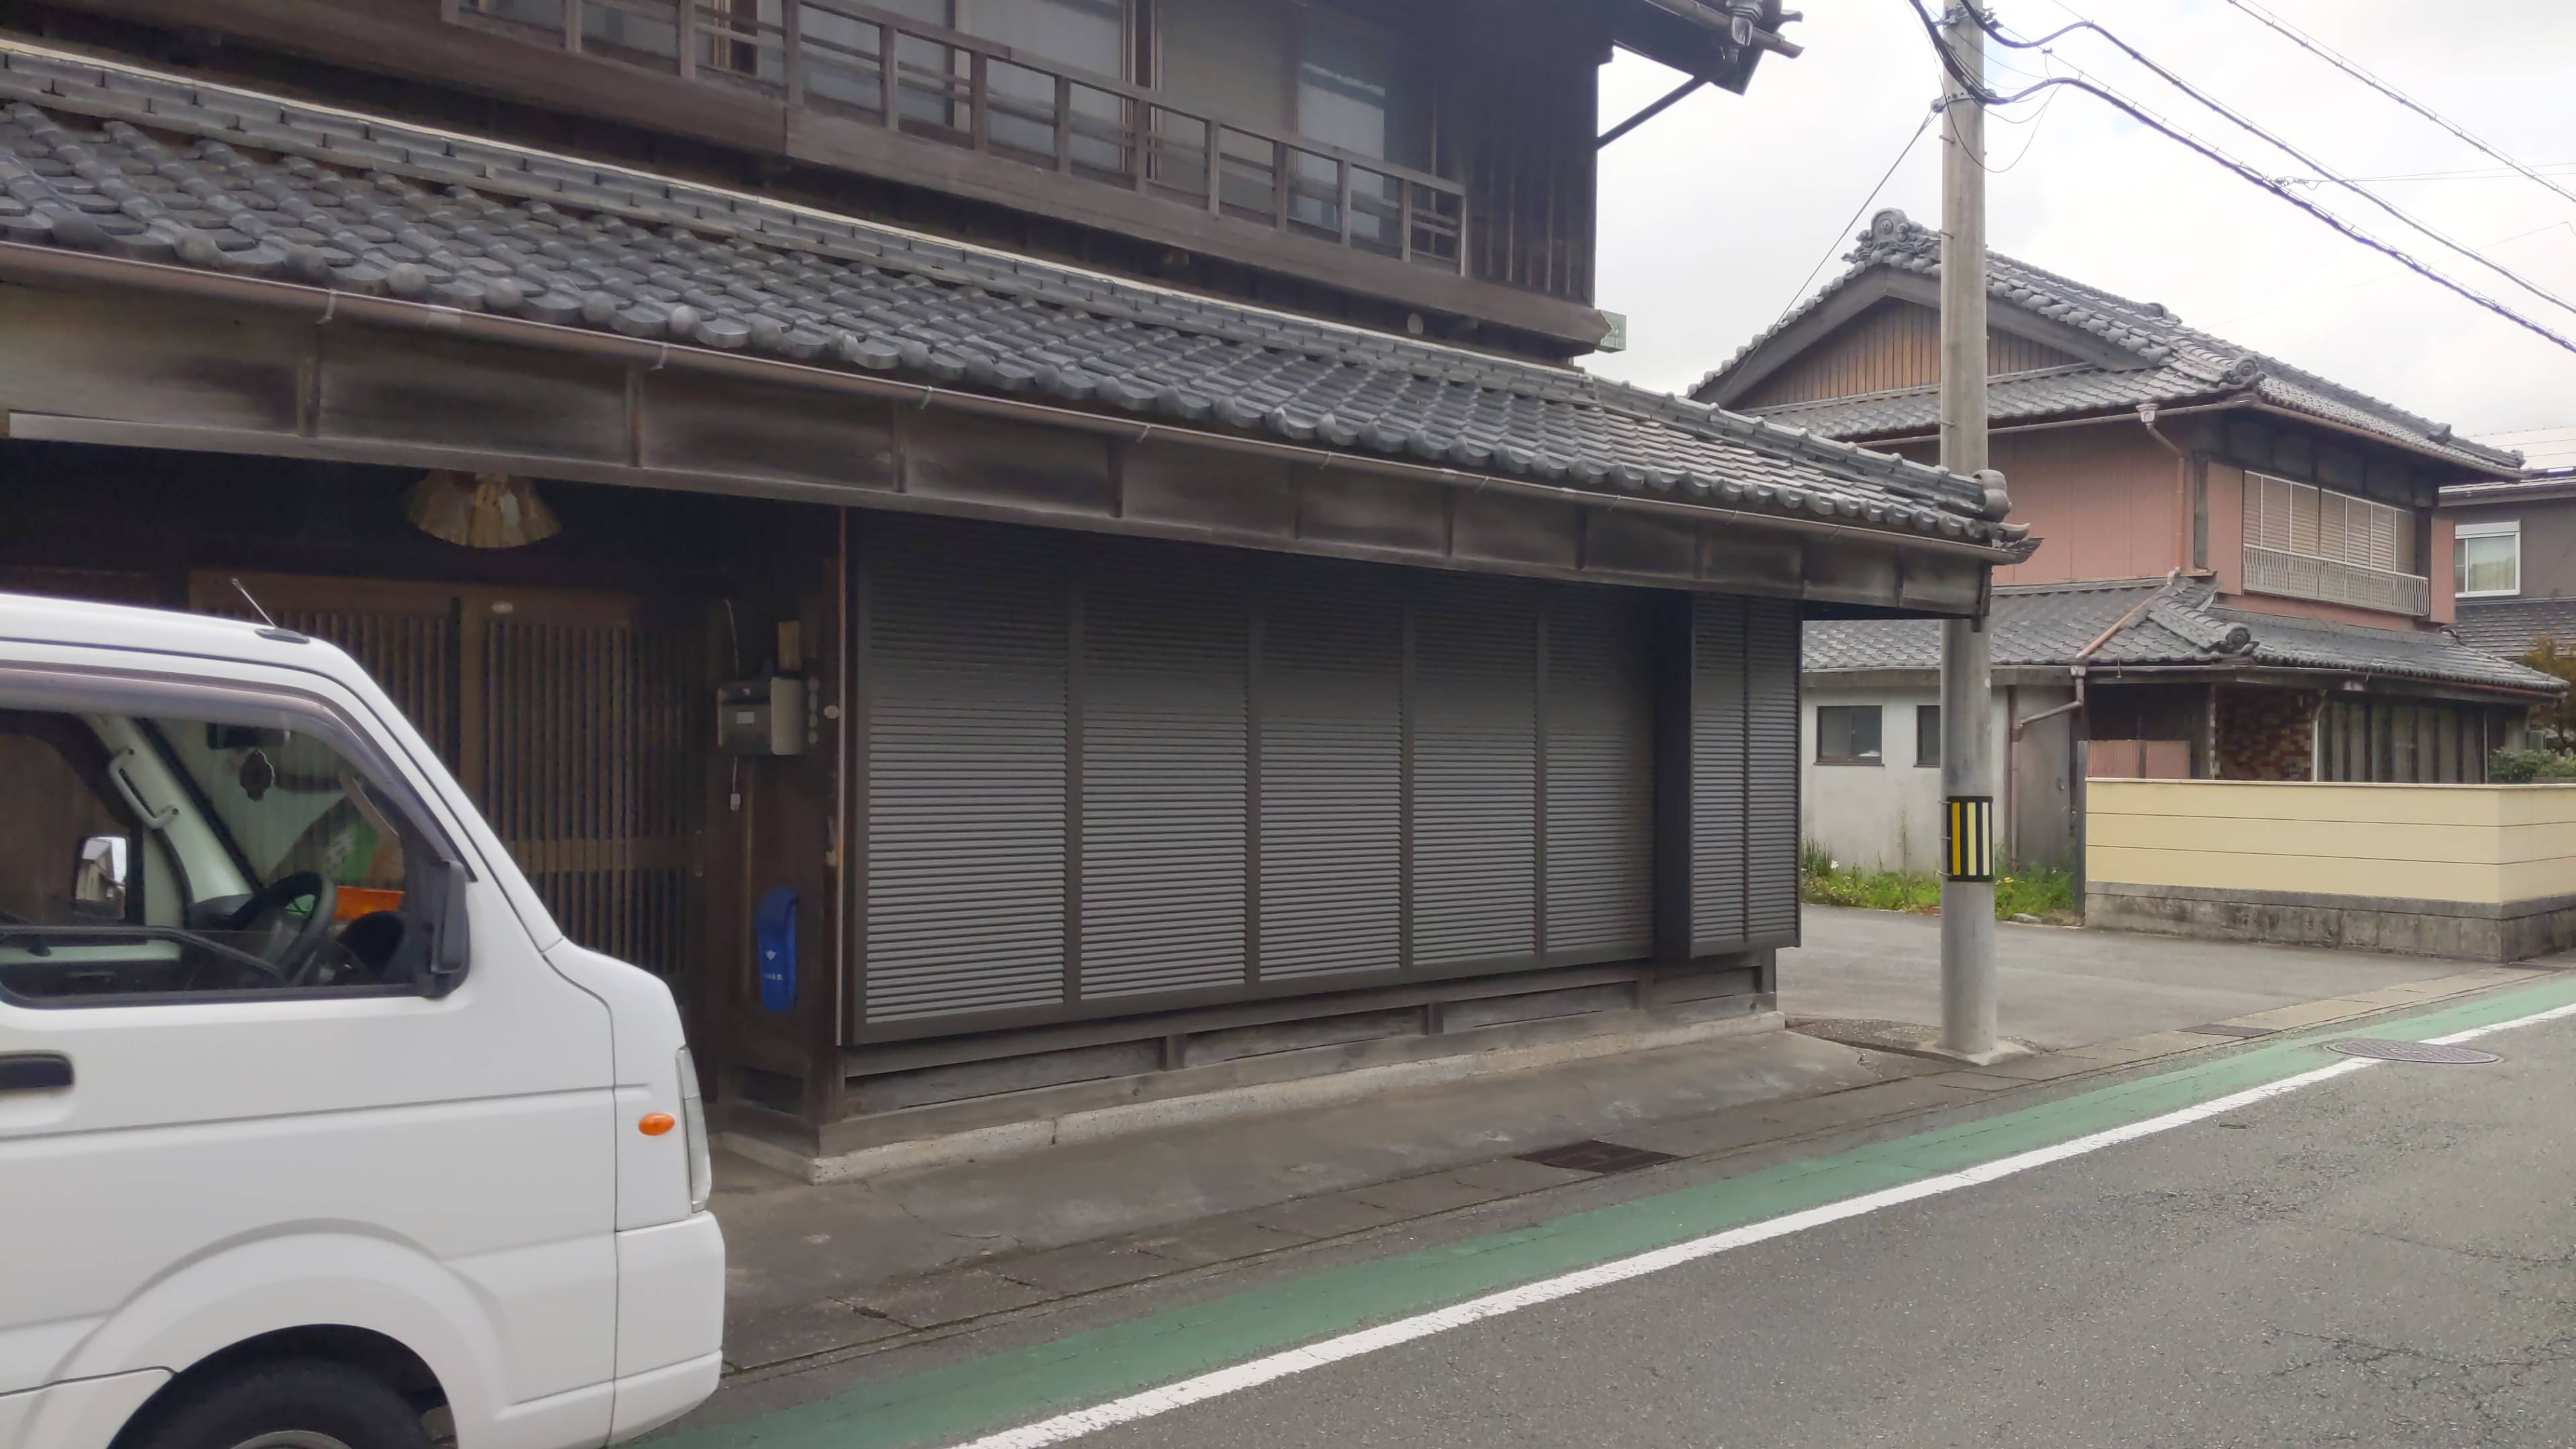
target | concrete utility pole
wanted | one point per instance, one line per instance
(1967, 694)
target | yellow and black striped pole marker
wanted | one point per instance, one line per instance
(1969, 847)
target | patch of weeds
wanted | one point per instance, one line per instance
(2045, 893)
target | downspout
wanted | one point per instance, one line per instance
(2182, 486)
(2077, 666)
(2076, 669)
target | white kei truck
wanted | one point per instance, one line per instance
(315, 1132)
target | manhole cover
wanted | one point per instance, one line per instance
(1595, 1156)
(2380, 1049)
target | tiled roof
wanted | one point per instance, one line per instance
(2180, 623)
(2536, 484)
(2508, 626)
(108, 159)
(2172, 364)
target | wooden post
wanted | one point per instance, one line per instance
(791, 50)
(1215, 176)
(889, 92)
(1064, 126)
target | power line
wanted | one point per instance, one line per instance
(2353, 68)
(2301, 301)
(2027, 141)
(1976, 89)
(1845, 231)
(2246, 124)
(2470, 173)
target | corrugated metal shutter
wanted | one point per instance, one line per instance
(964, 673)
(1600, 777)
(1331, 692)
(1771, 767)
(1475, 807)
(1160, 690)
(1717, 773)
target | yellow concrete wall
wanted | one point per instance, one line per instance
(2483, 844)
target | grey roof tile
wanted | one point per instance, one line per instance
(2172, 364)
(2509, 627)
(374, 206)
(2149, 621)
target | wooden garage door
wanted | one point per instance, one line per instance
(577, 724)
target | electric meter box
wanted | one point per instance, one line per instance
(761, 716)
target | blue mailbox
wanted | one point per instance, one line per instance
(773, 936)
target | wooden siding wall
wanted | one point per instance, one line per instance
(1523, 124)
(1892, 345)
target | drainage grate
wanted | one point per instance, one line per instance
(1591, 1155)
(2380, 1049)
(2220, 1028)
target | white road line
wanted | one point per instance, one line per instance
(1290, 1362)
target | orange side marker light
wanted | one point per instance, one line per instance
(654, 1124)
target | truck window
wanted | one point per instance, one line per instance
(144, 856)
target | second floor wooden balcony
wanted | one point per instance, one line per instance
(865, 88)
(840, 61)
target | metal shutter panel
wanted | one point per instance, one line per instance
(1600, 777)
(1331, 688)
(964, 678)
(1771, 768)
(1717, 774)
(1475, 825)
(1160, 689)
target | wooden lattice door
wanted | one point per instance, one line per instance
(576, 721)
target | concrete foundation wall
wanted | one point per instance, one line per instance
(2361, 923)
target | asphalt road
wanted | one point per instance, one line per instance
(2386, 1256)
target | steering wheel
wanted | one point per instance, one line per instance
(291, 949)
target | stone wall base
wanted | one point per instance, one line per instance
(2516, 931)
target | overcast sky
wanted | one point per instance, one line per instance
(1713, 212)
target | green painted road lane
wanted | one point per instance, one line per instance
(998, 1390)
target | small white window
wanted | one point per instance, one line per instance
(2486, 559)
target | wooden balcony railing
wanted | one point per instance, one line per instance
(2305, 576)
(856, 61)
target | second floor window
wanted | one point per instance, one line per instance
(2486, 559)
(2307, 542)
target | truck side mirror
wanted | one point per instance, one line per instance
(450, 947)
(99, 878)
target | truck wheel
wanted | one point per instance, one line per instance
(299, 1404)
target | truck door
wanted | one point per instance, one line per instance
(240, 1089)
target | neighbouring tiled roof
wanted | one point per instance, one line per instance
(2160, 623)
(2537, 483)
(2508, 626)
(126, 163)
(2172, 364)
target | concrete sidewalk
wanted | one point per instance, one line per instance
(817, 1272)
(2064, 986)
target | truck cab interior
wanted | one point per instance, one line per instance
(149, 857)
